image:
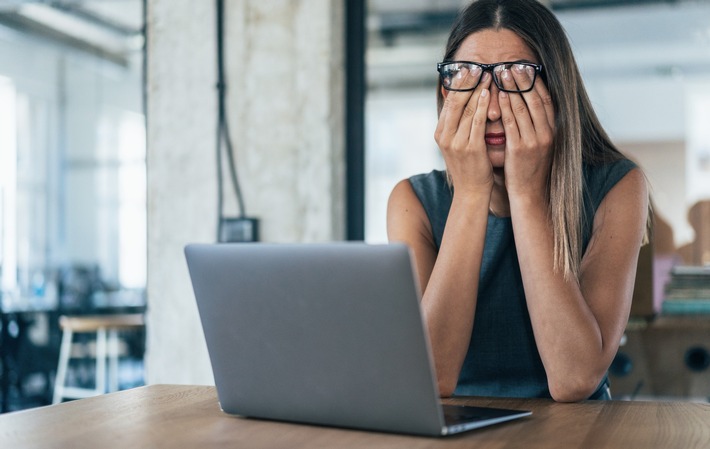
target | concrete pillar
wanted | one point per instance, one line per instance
(286, 113)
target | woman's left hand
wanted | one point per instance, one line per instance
(529, 123)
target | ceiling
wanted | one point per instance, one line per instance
(394, 19)
(609, 37)
(111, 29)
(666, 34)
(428, 15)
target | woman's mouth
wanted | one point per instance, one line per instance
(495, 138)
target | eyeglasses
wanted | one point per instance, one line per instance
(464, 76)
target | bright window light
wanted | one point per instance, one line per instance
(8, 187)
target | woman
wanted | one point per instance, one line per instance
(526, 246)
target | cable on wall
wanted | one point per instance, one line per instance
(229, 229)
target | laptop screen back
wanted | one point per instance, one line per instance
(326, 334)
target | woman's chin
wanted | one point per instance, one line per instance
(497, 158)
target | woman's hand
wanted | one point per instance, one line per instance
(460, 136)
(529, 122)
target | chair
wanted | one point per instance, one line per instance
(106, 328)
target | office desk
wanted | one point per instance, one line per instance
(174, 416)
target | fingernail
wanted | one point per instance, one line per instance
(486, 76)
(484, 93)
(519, 68)
(506, 74)
(503, 94)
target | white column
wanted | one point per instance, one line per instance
(286, 112)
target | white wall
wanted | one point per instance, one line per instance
(285, 101)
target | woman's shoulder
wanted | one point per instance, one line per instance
(435, 196)
(620, 165)
(431, 188)
(434, 178)
(600, 178)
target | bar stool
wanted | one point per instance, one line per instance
(106, 328)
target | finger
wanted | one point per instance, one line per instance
(459, 107)
(451, 112)
(517, 103)
(544, 93)
(472, 109)
(465, 77)
(524, 76)
(478, 128)
(512, 133)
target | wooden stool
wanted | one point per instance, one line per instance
(106, 328)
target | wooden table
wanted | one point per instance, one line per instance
(173, 416)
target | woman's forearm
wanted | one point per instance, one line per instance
(578, 324)
(449, 301)
(567, 334)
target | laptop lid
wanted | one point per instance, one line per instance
(327, 334)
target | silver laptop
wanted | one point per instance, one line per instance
(327, 334)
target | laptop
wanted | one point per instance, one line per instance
(327, 334)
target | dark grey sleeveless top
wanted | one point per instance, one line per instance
(502, 358)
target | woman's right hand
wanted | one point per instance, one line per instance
(460, 135)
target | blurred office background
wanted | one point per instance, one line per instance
(72, 182)
(108, 117)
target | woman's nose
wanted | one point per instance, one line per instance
(493, 107)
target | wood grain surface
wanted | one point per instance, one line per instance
(183, 416)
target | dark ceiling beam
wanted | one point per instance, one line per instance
(96, 19)
(25, 25)
(568, 5)
(391, 24)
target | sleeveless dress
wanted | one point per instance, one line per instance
(502, 358)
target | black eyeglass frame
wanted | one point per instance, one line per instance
(489, 68)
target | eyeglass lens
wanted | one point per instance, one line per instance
(466, 76)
